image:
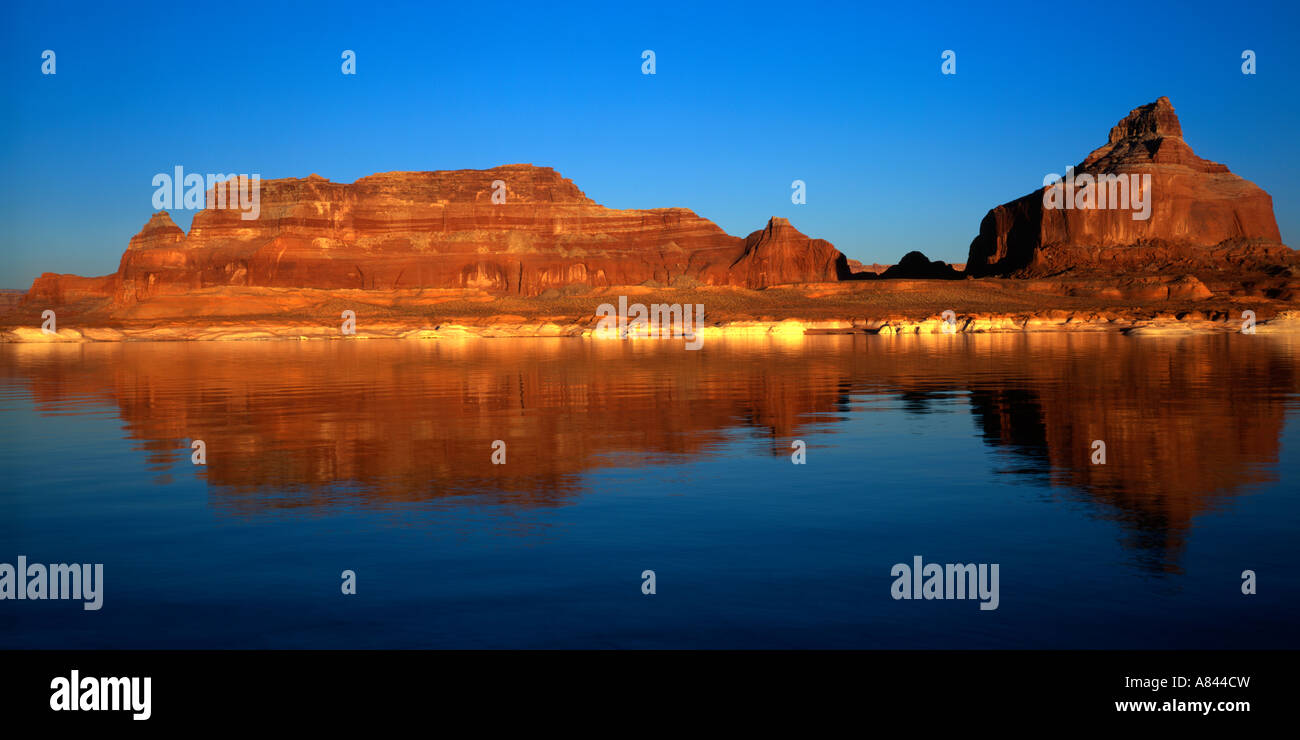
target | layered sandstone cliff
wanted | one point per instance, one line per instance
(1201, 216)
(401, 243)
(410, 230)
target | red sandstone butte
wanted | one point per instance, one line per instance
(1202, 216)
(405, 230)
(780, 254)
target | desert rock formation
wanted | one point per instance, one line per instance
(1201, 215)
(412, 230)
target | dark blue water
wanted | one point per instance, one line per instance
(621, 457)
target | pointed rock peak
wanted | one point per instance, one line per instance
(160, 219)
(1153, 120)
(779, 253)
(778, 230)
(160, 230)
(317, 178)
(1200, 208)
(782, 226)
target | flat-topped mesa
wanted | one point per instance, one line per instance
(523, 183)
(1162, 208)
(53, 289)
(515, 229)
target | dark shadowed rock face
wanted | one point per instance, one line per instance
(404, 230)
(1201, 215)
(917, 266)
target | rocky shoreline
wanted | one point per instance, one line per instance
(1285, 322)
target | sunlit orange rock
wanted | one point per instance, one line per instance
(779, 253)
(55, 289)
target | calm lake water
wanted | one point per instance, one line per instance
(621, 457)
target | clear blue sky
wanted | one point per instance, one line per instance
(747, 98)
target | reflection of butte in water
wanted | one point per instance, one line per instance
(1186, 424)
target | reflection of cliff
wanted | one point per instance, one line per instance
(1187, 422)
(406, 421)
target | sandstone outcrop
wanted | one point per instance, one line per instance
(1201, 216)
(56, 289)
(773, 254)
(858, 268)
